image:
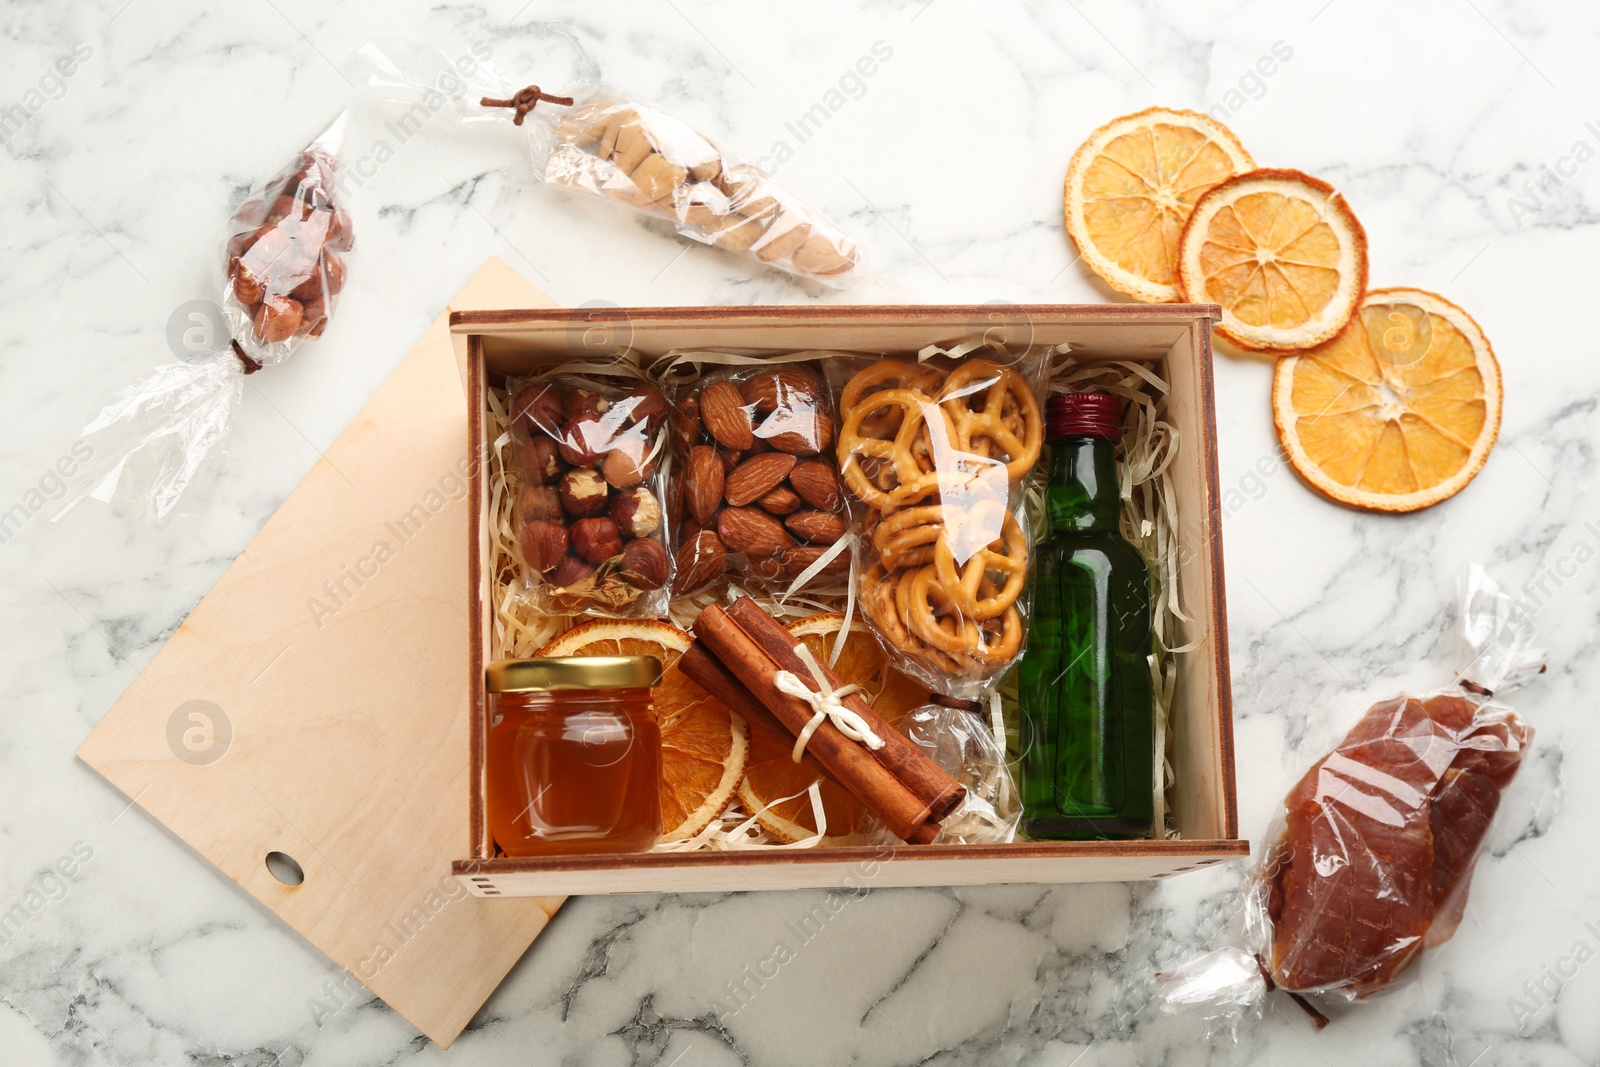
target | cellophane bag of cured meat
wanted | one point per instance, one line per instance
(1369, 860)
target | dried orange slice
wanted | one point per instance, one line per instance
(1281, 253)
(1396, 413)
(704, 746)
(772, 774)
(1130, 188)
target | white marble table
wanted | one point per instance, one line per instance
(1462, 133)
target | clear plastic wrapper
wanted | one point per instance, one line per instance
(589, 452)
(600, 139)
(282, 270)
(1371, 857)
(934, 453)
(754, 493)
(972, 750)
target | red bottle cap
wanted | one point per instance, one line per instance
(1083, 415)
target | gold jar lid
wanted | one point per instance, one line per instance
(572, 672)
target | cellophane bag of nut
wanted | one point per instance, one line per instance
(589, 453)
(282, 268)
(1369, 860)
(614, 145)
(755, 492)
(934, 453)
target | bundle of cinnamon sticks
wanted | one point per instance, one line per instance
(737, 657)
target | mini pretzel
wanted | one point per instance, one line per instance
(1019, 437)
(853, 444)
(891, 374)
(886, 605)
(905, 538)
(930, 616)
(963, 582)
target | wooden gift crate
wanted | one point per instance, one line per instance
(1174, 338)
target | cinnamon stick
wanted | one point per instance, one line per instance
(702, 668)
(900, 755)
(706, 671)
(848, 762)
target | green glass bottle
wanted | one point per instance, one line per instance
(1088, 728)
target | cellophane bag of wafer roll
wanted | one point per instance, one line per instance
(605, 141)
(281, 266)
(1369, 860)
(935, 449)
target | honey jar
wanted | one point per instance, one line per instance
(574, 755)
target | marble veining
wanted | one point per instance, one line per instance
(1464, 135)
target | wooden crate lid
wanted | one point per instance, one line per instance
(335, 647)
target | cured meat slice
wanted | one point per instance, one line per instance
(1380, 837)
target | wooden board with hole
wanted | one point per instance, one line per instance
(1174, 339)
(315, 704)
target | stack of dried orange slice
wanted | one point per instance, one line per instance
(1387, 400)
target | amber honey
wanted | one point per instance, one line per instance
(574, 755)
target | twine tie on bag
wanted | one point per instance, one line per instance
(250, 365)
(525, 101)
(827, 702)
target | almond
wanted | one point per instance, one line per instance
(795, 560)
(756, 477)
(804, 433)
(752, 531)
(818, 484)
(723, 412)
(700, 561)
(702, 483)
(781, 501)
(781, 387)
(818, 527)
(645, 564)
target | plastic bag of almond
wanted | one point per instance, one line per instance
(755, 493)
(588, 515)
(282, 270)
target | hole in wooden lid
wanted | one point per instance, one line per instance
(284, 868)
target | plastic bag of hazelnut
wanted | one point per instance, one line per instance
(754, 493)
(588, 454)
(283, 266)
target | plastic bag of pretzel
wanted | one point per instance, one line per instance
(933, 453)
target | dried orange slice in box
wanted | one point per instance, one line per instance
(1131, 186)
(1396, 413)
(1281, 253)
(704, 746)
(772, 773)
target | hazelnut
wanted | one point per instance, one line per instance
(645, 404)
(538, 459)
(314, 317)
(675, 506)
(583, 402)
(544, 544)
(334, 266)
(539, 503)
(539, 407)
(584, 439)
(596, 540)
(569, 572)
(636, 512)
(584, 493)
(277, 319)
(624, 469)
(645, 564)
